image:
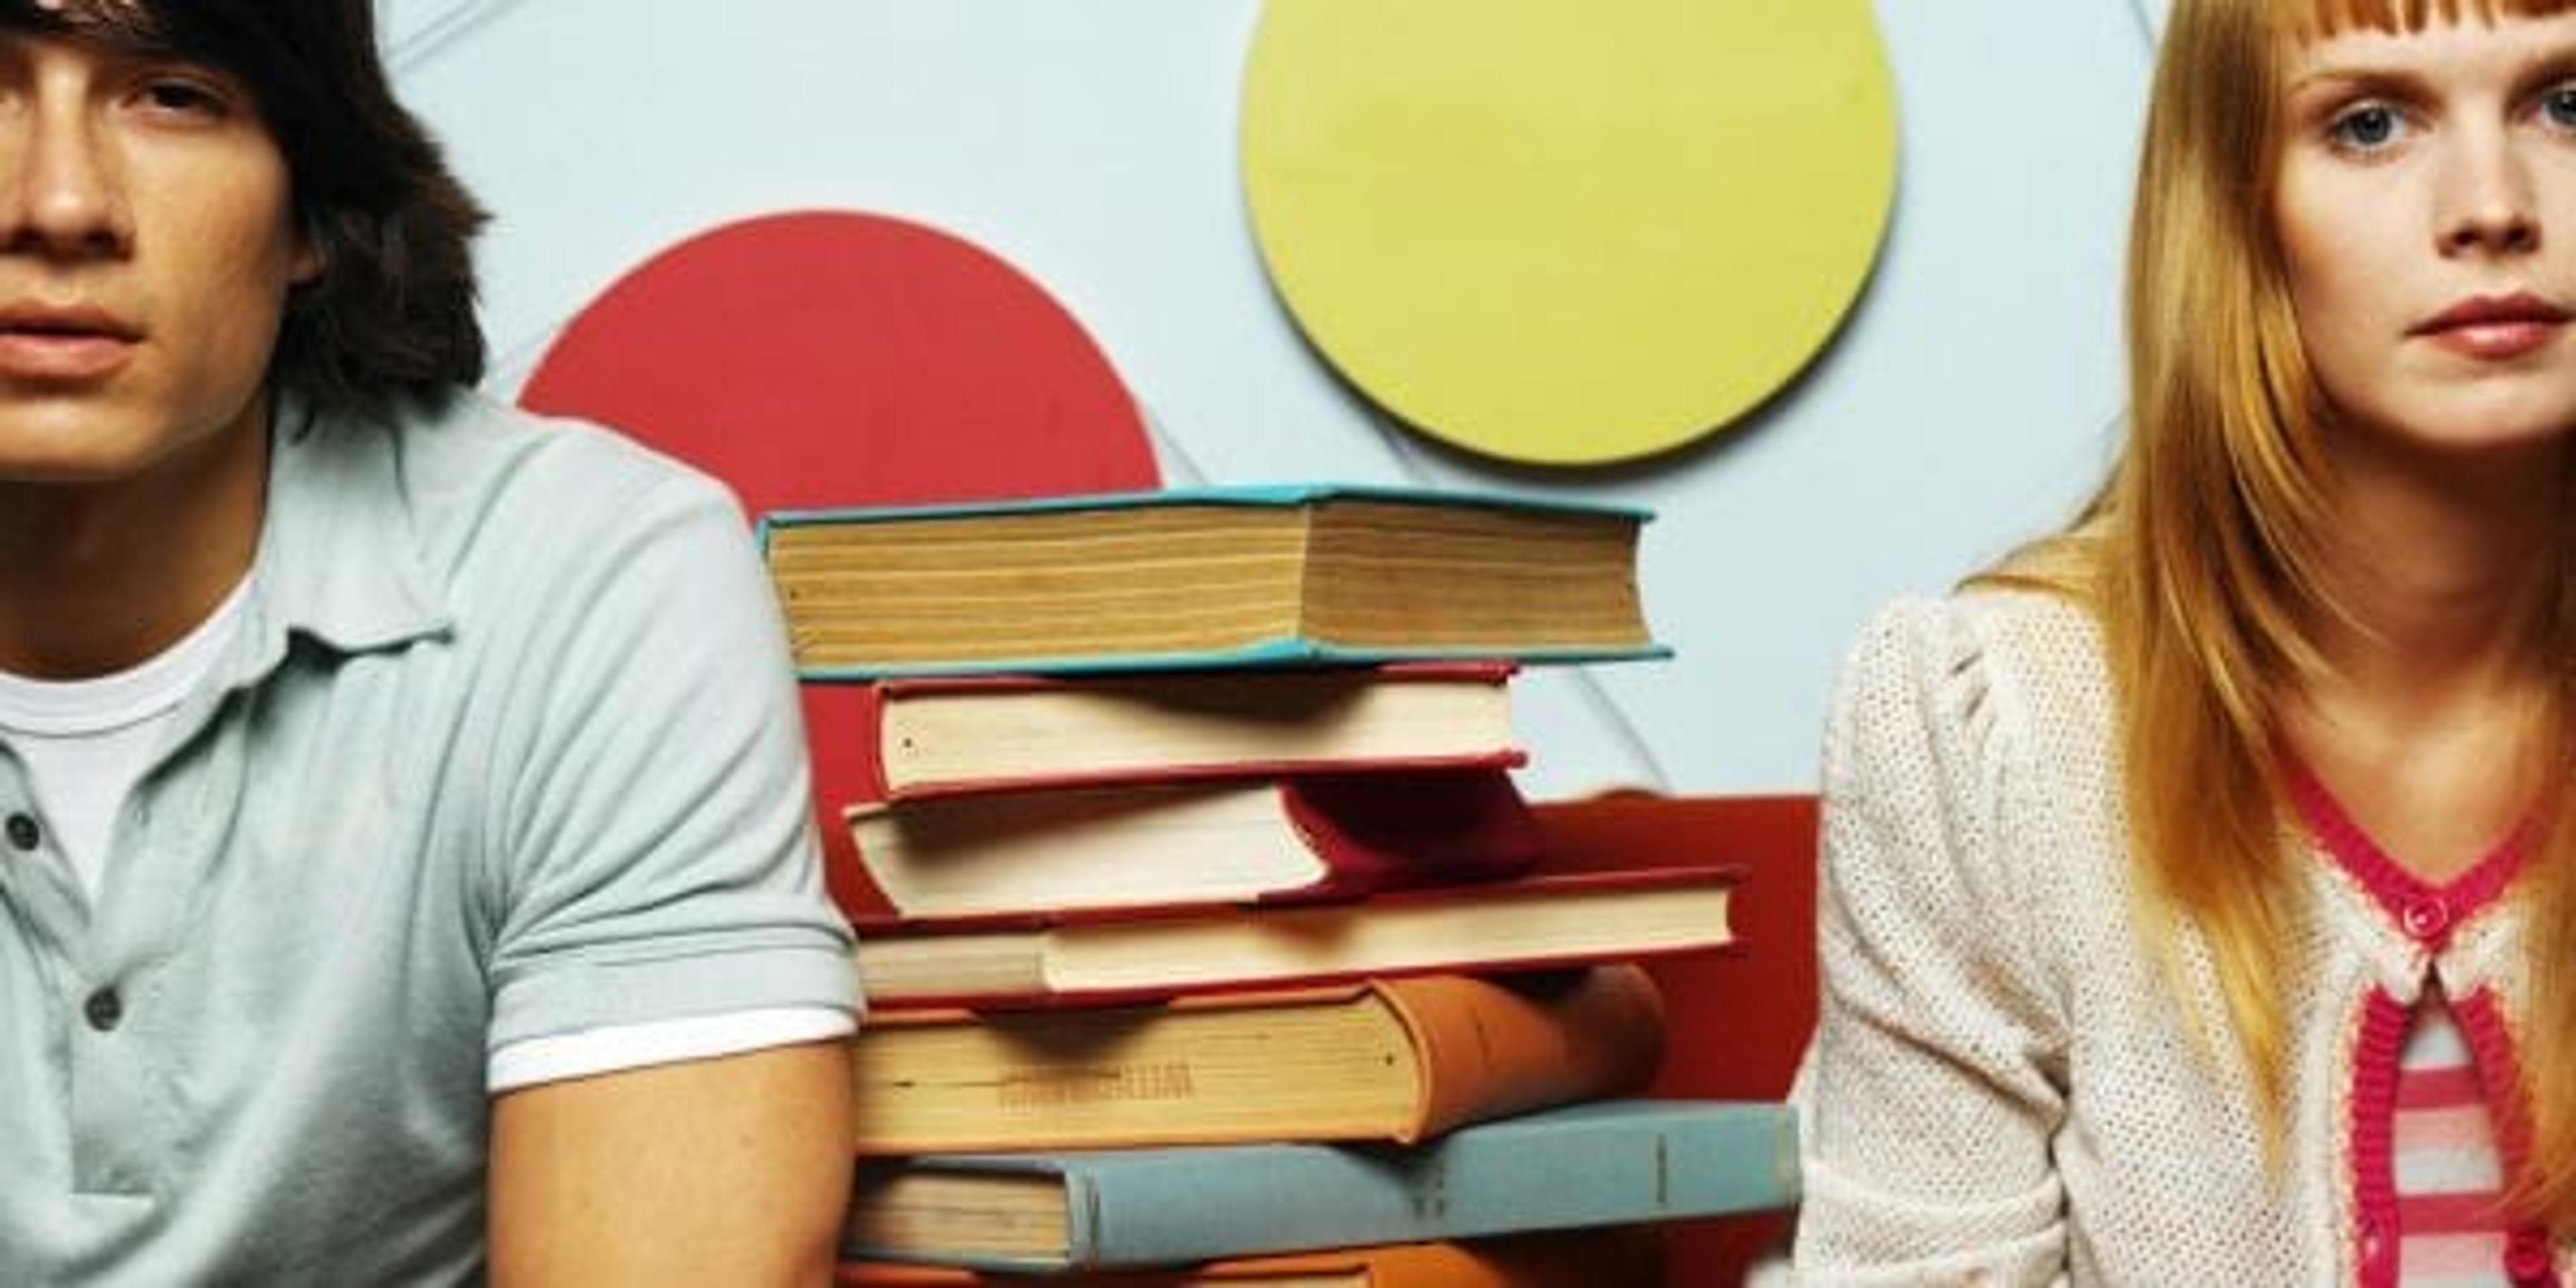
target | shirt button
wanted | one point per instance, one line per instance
(104, 1009)
(23, 832)
(2425, 918)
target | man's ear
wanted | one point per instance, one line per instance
(308, 261)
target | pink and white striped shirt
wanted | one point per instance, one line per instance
(2446, 1169)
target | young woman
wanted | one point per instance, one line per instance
(2200, 892)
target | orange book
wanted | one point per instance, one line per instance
(1629, 1256)
(1391, 1059)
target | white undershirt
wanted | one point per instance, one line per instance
(86, 743)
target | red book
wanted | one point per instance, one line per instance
(994, 733)
(1559, 919)
(1330, 836)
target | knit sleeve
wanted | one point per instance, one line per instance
(1933, 1086)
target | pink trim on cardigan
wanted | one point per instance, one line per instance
(2530, 1257)
(2426, 912)
(2374, 1118)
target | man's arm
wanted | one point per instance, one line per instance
(728, 1171)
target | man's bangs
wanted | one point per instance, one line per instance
(139, 23)
(2305, 20)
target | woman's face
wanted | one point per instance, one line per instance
(2426, 207)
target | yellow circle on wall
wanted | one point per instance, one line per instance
(1568, 231)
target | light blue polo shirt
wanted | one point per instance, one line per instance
(506, 748)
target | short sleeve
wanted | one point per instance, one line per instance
(652, 855)
(1934, 1084)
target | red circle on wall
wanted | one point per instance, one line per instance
(824, 358)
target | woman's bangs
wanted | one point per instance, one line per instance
(2318, 19)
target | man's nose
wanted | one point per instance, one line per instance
(61, 189)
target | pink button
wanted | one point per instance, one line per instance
(2528, 1260)
(2425, 918)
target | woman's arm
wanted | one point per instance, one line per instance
(1934, 1084)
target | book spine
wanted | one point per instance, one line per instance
(1398, 830)
(1493, 1048)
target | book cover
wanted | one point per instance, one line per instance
(1159, 844)
(1206, 578)
(1002, 733)
(1394, 1059)
(1133, 955)
(1600, 1163)
(1619, 1256)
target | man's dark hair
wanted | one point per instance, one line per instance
(391, 316)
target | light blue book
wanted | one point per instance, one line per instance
(1611, 1162)
(1207, 578)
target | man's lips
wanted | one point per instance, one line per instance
(54, 342)
(2495, 327)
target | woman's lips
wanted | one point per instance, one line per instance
(2495, 328)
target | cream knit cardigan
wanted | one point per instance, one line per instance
(2001, 1089)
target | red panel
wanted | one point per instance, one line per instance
(836, 358)
(1739, 1020)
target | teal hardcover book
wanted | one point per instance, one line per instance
(1205, 578)
(1610, 1162)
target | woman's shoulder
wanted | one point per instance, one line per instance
(1994, 699)
(2037, 650)
(1973, 748)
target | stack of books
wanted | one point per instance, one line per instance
(1216, 943)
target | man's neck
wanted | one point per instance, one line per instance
(97, 577)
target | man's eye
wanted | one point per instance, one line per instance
(182, 97)
(2365, 128)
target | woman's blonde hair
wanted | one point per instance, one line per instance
(2201, 558)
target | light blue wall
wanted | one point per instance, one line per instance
(1971, 399)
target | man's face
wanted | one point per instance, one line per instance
(146, 248)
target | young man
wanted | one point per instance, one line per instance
(405, 868)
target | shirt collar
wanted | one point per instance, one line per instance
(338, 561)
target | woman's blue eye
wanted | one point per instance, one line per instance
(2559, 105)
(2372, 125)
